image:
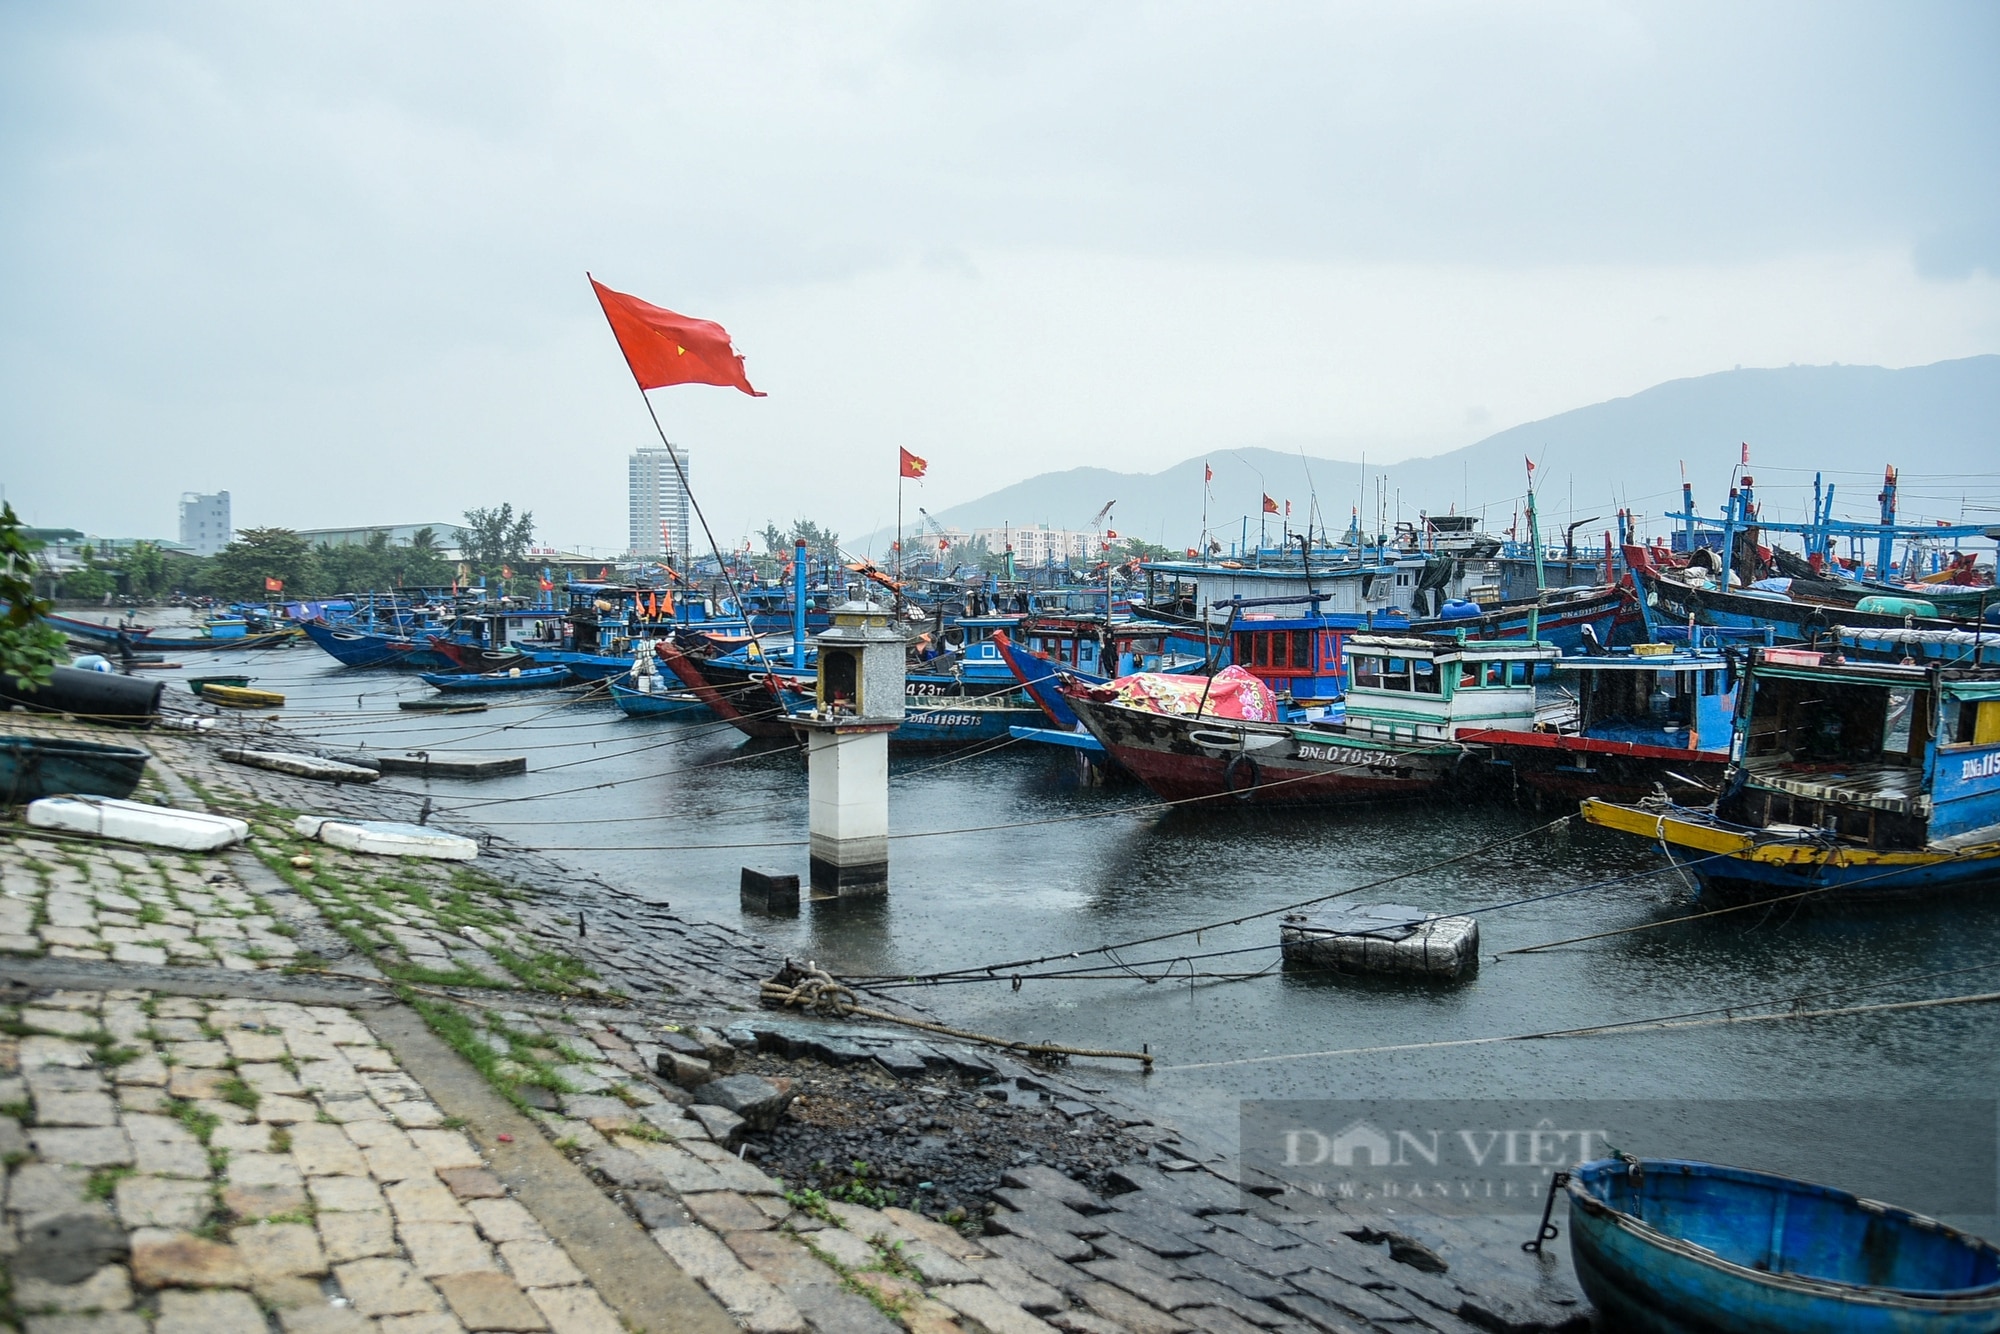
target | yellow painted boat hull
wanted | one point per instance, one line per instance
(242, 697)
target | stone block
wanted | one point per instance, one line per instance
(397, 1162)
(472, 1183)
(107, 1289)
(209, 1313)
(68, 1245)
(1049, 1211)
(75, 1109)
(446, 1248)
(385, 1287)
(756, 1303)
(167, 1259)
(104, 1322)
(769, 891)
(323, 1150)
(1049, 1182)
(992, 1311)
(758, 1101)
(688, 1071)
(425, 1201)
(837, 1311)
(246, 1045)
(1120, 1307)
(162, 1202)
(281, 1249)
(324, 1319)
(1054, 1240)
(490, 1301)
(446, 1148)
(505, 1220)
(719, 1124)
(726, 1211)
(196, 1083)
(247, 1138)
(343, 1194)
(356, 1236)
(781, 1259)
(576, 1311)
(261, 1184)
(843, 1248)
(46, 1188)
(539, 1264)
(97, 1146)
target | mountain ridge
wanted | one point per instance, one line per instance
(1936, 422)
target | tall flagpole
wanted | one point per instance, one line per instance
(695, 505)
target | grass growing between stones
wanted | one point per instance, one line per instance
(507, 1071)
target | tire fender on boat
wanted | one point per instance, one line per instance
(1240, 761)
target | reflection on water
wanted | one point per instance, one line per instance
(1057, 883)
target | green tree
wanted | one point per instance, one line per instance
(29, 647)
(495, 538)
(145, 570)
(821, 543)
(425, 563)
(257, 554)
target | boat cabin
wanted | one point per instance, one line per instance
(1408, 689)
(1653, 695)
(1882, 755)
(1077, 644)
(1301, 657)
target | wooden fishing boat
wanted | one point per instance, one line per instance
(450, 705)
(197, 684)
(1855, 779)
(1653, 717)
(1664, 1246)
(243, 697)
(1190, 740)
(532, 678)
(32, 767)
(229, 634)
(658, 702)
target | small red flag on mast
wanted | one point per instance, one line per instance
(664, 348)
(1270, 505)
(912, 466)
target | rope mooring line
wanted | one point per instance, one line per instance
(816, 991)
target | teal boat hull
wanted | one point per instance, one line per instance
(35, 767)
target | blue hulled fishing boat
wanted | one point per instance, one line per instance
(1848, 778)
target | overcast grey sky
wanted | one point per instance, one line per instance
(332, 258)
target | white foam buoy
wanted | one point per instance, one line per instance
(387, 838)
(137, 822)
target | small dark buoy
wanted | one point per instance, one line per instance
(580, 931)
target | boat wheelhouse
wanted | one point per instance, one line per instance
(1850, 778)
(1651, 717)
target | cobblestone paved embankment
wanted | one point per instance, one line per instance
(635, 1055)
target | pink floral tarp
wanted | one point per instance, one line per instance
(1233, 693)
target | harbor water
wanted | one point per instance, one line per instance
(1003, 855)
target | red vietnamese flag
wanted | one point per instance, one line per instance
(1270, 505)
(273, 585)
(664, 348)
(1207, 474)
(912, 466)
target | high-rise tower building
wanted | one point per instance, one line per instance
(205, 522)
(658, 505)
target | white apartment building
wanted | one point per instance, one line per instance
(205, 526)
(658, 507)
(1040, 545)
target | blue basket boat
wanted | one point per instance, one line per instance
(532, 678)
(33, 767)
(1664, 1245)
